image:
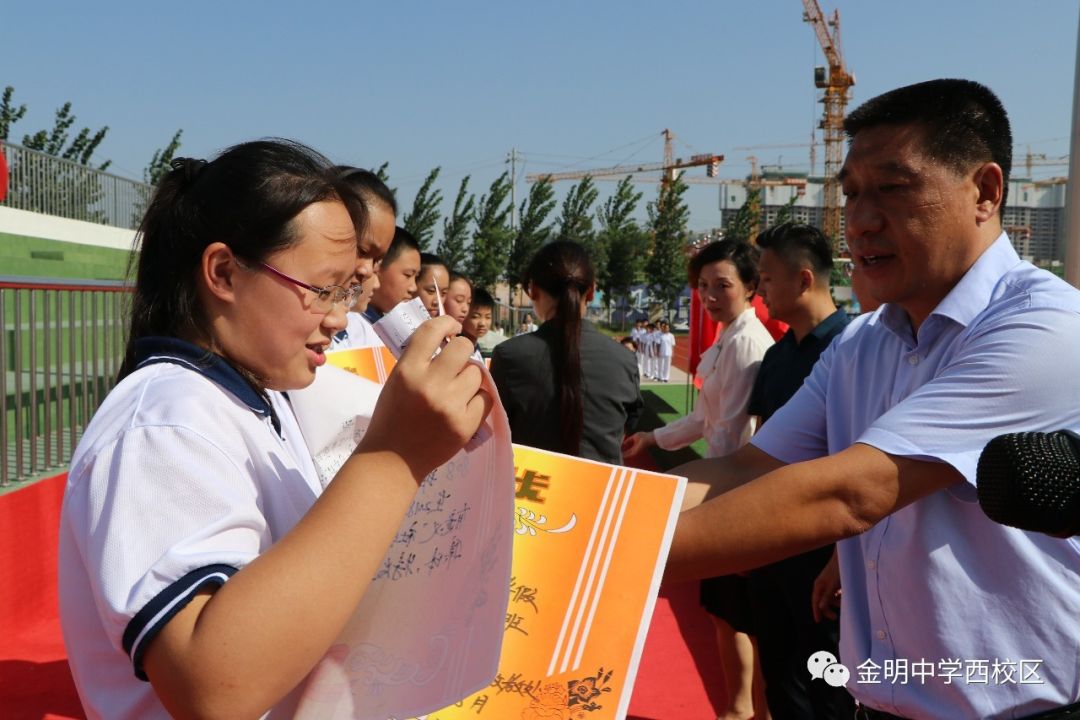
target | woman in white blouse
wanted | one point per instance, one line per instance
(725, 275)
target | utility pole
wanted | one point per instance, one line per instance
(1072, 193)
(512, 159)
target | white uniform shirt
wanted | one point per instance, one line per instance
(357, 334)
(182, 478)
(666, 344)
(727, 371)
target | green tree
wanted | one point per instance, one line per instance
(456, 228)
(669, 217)
(383, 174)
(490, 251)
(626, 243)
(420, 221)
(159, 166)
(9, 114)
(746, 221)
(575, 222)
(55, 142)
(786, 212)
(535, 210)
(161, 162)
(59, 188)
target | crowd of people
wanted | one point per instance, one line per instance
(201, 558)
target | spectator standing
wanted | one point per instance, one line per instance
(726, 276)
(566, 387)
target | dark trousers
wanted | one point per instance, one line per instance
(787, 636)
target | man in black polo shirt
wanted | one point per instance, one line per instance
(795, 265)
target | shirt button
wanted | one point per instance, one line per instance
(913, 360)
(881, 634)
(871, 564)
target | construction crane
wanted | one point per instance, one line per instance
(836, 86)
(669, 166)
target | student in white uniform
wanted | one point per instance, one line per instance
(652, 365)
(381, 207)
(201, 563)
(665, 349)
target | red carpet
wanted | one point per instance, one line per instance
(35, 682)
(678, 678)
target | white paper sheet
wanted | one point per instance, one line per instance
(429, 629)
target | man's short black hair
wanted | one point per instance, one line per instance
(800, 245)
(403, 240)
(965, 123)
(481, 298)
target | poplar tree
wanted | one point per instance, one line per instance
(669, 217)
(456, 228)
(532, 234)
(420, 221)
(490, 251)
(627, 244)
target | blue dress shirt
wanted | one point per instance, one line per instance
(936, 585)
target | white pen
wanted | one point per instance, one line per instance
(438, 297)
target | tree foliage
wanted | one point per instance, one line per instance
(56, 187)
(490, 251)
(160, 162)
(668, 220)
(382, 172)
(786, 212)
(55, 141)
(626, 243)
(159, 166)
(456, 228)
(421, 220)
(744, 224)
(531, 234)
(9, 114)
(575, 222)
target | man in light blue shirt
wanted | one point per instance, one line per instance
(945, 613)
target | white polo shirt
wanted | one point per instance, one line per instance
(360, 332)
(184, 475)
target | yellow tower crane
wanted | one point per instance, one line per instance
(835, 85)
(669, 166)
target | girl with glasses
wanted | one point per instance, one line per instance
(202, 565)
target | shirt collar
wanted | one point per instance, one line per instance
(839, 318)
(740, 321)
(970, 295)
(153, 350)
(372, 314)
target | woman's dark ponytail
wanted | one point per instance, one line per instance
(562, 269)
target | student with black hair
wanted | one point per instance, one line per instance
(432, 283)
(458, 296)
(381, 207)
(566, 387)
(397, 275)
(478, 323)
(201, 561)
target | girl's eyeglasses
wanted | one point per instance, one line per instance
(326, 298)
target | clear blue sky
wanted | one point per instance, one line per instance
(570, 84)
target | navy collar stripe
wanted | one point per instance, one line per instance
(153, 350)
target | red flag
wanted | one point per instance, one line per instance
(3, 173)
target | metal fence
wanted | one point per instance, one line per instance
(60, 351)
(43, 183)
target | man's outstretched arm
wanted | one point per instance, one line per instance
(757, 510)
